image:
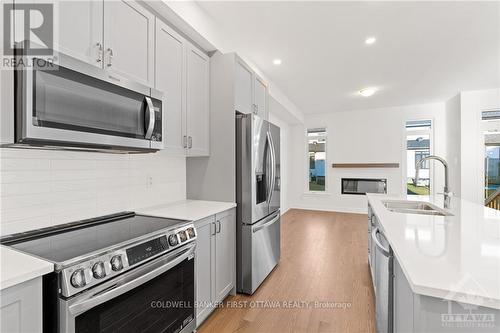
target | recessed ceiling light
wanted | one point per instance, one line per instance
(370, 40)
(367, 92)
(277, 62)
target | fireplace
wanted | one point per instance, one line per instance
(361, 186)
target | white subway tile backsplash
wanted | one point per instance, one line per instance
(41, 188)
(24, 188)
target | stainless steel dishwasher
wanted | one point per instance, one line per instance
(384, 280)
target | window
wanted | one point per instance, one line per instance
(316, 157)
(421, 154)
(418, 146)
(491, 139)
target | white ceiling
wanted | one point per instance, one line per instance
(425, 51)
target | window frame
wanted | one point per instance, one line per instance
(429, 132)
(307, 160)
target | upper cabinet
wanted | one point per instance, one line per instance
(182, 74)
(243, 87)
(115, 35)
(260, 97)
(81, 31)
(129, 40)
(170, 79)
(197, 106)
(250, 90)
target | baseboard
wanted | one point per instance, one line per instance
(353, 210)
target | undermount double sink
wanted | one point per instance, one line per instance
(414, 207)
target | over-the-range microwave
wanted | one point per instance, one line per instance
(74, 105)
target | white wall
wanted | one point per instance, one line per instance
(365, 136)
(472, 144)
(453, 143)
(275, 110)
(40, 188)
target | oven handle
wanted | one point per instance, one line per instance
(130, 281)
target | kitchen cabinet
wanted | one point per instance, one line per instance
(182, 73)
(416, 313)
(260, 97)
(243, 87)
(250, 90)
(234, 87)
(215, 261)
(79, 24)
(21, 307)
(129, 40)
(224, 254)
(197, 102)
(205, 270)
(170, 79)
(117, 36)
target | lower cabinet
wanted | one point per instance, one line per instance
(416, 313)
(215, 261)
(21, 307)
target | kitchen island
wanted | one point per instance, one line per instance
(446, 269)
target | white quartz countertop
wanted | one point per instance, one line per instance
(450, 257)
(188, 209)
(17, 267)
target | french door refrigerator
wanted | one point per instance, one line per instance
(258, 199)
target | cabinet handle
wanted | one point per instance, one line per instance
(184, 141)
(99, 52)
(218, 225)
(110, 57)
(215, 229)
(190, 142)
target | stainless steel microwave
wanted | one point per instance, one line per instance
(83, 107)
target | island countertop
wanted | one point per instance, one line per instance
(453, 257)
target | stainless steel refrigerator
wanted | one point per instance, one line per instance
(258, 198)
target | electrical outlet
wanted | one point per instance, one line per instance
(149, 181)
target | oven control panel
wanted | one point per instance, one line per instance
(146, 250)
(86, 274)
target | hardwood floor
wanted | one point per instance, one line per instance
(323, 259)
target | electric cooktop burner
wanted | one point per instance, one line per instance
(60, 244)
(89, 252)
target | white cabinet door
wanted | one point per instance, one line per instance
(21, 307)
(197, 103)
(243, 87)
(205, 244)
(260, 97)
(79, 25)
(170, 79)
(129, 41)
(224, 254)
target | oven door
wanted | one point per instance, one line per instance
(56, 105)
(155, 297)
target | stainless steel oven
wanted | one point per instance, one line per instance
(72, 104)
(156, 297)
(122, 272)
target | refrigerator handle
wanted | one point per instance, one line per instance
(273, 167)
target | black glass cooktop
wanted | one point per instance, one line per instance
(77, 239)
